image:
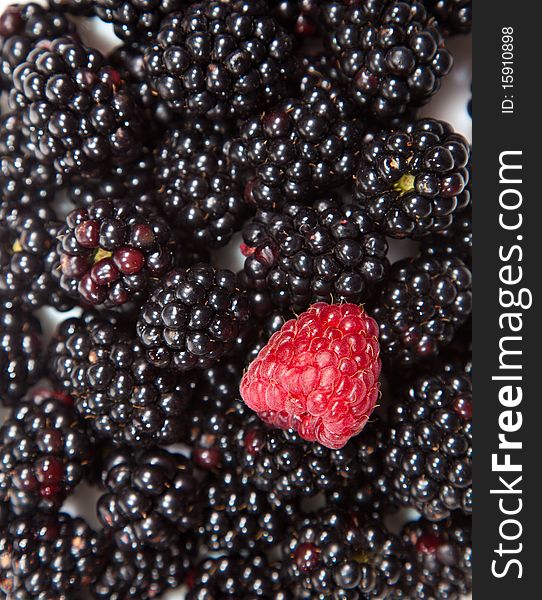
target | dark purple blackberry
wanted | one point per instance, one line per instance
(151, 496)
(48, 556)
(196, 189)
(339, 554)
(428, 448)
(21, 359)
(144, 574)
(113, 252)
(136, 20)
(44, 452)
(221, 58)
(325, 253)
(453, 16)
(28, 256)
(22, 27)
(236, 577)
(77, 112)
(440, 558)
(413, 182)
(193, 317)
(98, 360)
(421, 306)
(73, 7)
(299, 147)
(298, 16)
(455, 240)
(390, 53)
(23, 179)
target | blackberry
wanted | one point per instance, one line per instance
(22, 28)
(44, 452)
(21, 360)
(336, 554)
(73, 7)
(48, 556)
(325, 253)
(98, 360)
(236, 576)
(390, 53)
(413, 182)
(453, 16)
(77, 112)
(151, 496)
(298, 16)
(113, 251)
(23, 179)
(423, 303)
(221, 58)
(192, 318)
(455, 240)
(440, 554)
(134, 20)
(428, 452)
(300, 146)
(28, 256)
(144, 574)
(196, 189)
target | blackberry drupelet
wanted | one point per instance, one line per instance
(337, 554)
(21, 359)
(48, 556)
(99, 361)
(196, 188)
(300, 146)
(455, 240)
(222, 58)
(73, 7)
(22, 28)
(440, 558)
(151, 497)
(453, 16)
(237, 577)
(428, 449)
(329, 252)
(28, 256)
(44, 453)
(193, 317)
(113, 251)
(77, 111)
(390, 53)
(298, 16)
(413, 182)
(421, 306)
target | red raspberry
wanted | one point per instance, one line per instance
(318, 374)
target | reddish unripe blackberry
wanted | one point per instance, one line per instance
(413, 182)
(111, 252)
(45, 452)
(77, 112)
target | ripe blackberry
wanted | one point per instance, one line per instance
(413, 182)
(237, 577)
(48, 556)
(113, 251)
(455, 240)
(391, 54)
(423, 303)
(21, 360)
(428, 450)
(98, 360)
(77, 112)
(329, 252)
(336, 554)
(44, 452)
(28, 256)
(298, 16)
(453, 16)
(73, 7)
(221, 58)
(151, 496)
(24, 26)
(144, 574)
(192, 318)
(299, 147)
(440, 554)
(23, 179)
(196, 189)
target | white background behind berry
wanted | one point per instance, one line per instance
(450, 104)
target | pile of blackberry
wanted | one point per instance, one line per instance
(229, 164)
